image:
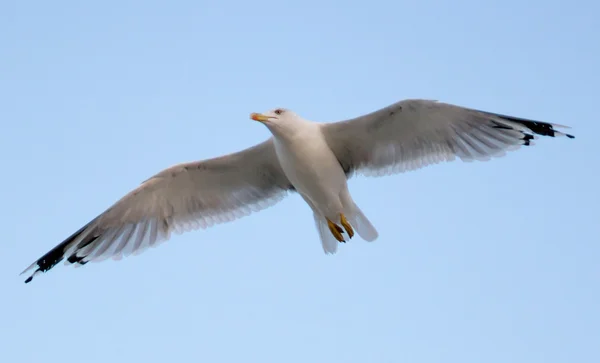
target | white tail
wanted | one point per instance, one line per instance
(328, 242)
(359, 222)
(362, 225)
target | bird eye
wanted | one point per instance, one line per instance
(278, 111)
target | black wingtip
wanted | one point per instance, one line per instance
(537, 127)
(37, 271)
(57, 254)
(527, 139)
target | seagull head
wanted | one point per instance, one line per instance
(278, 120)
(273, 116)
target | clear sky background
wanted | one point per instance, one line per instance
(476, 262)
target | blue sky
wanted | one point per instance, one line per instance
(476, 262)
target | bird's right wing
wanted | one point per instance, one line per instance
(412, 134)
(181, 198)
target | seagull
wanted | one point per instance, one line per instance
(313, 159)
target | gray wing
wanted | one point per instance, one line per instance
(412, 134)
(181, 198)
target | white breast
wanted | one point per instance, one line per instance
(310, 165)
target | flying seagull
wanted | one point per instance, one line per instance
(313, 159)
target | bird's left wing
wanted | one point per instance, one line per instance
(412, 134)
(181, 198)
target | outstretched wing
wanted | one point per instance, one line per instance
(181, 198)
(412, 134)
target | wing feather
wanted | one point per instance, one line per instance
(414, 133)
(181, 198)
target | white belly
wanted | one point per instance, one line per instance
(314, 171)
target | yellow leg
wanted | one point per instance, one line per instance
(335, 230)
(346, 225)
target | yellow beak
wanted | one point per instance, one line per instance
(259, 117)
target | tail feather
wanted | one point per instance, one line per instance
(362, 225)
(328, 242)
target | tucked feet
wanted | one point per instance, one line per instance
(346, 225)
(335, 230)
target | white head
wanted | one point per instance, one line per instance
(279, 121)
